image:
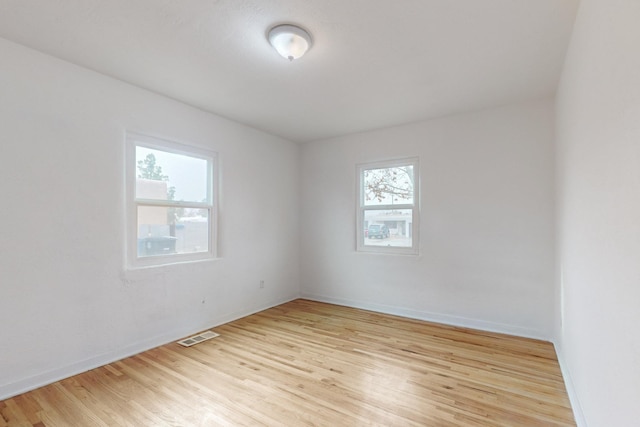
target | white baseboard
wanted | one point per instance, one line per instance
(13, 389)
(434, 317)
(578, 414)
(467, 323)
(22, 386)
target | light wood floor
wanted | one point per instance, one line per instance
(308, 363)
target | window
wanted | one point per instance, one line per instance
(171, 202)
(388, 206)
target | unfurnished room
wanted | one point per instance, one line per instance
(319, 213)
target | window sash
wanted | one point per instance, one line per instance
(172, 204)
(388, 207)
(175, 148)
(363, 208)
(134, 203)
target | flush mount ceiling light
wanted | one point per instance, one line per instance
(290, 41)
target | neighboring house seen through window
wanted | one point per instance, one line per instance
(388, 212)
(171, 202)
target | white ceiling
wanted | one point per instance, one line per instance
(374, 63)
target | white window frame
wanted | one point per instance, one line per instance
(134, 140)
(414, 207)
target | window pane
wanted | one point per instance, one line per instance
(164, 230)
(167, 176)
(392, 227)
(388, 186)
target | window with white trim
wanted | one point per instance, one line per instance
(388, 208)
(171, 196)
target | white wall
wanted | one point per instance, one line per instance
(599, 213)
(487, 239)
(66, 302)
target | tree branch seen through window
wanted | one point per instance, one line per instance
(389, 184)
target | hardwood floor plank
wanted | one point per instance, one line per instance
(312, 364)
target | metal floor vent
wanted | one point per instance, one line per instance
(203, 336)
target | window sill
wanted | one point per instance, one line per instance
(170, 264)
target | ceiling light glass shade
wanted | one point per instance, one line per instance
(290, 41)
